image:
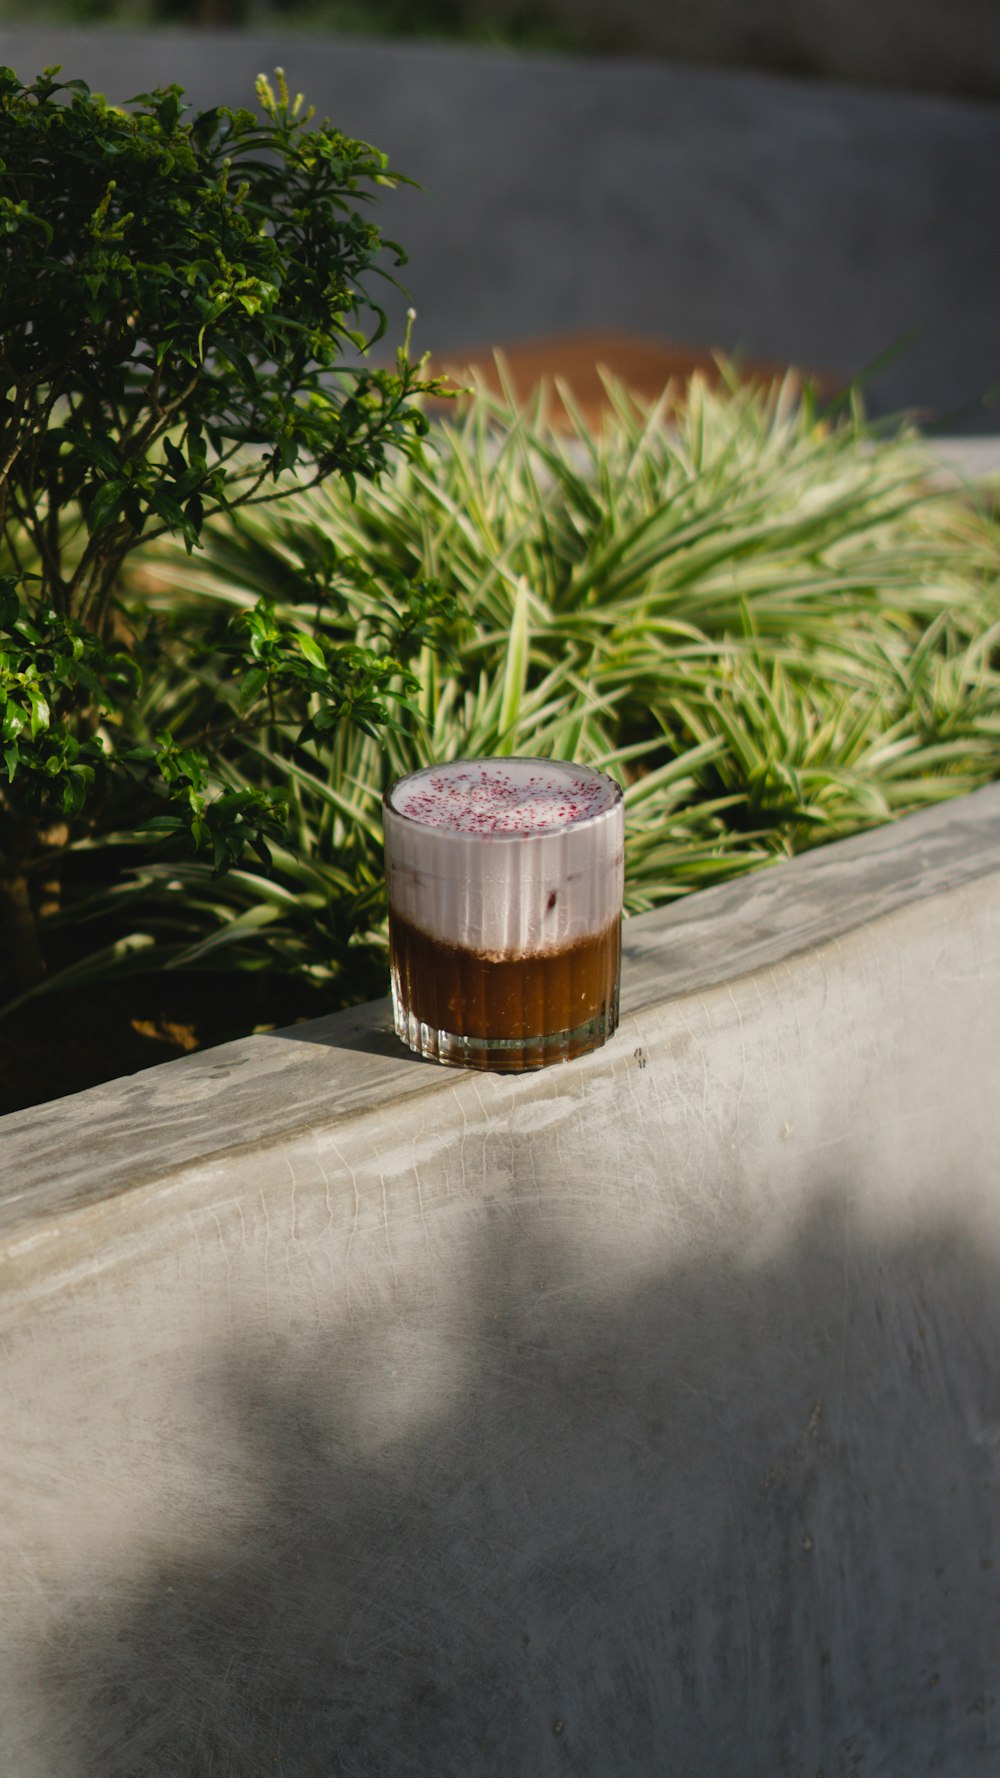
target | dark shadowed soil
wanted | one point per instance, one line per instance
(62, 1043)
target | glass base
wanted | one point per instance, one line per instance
(504, 1055)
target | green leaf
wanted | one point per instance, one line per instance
(175, 457)
(10, 604)
(167, 508)
(237, 358)
(161, 824)
(39, 710)
(106, 505)
(313, 652)
(252, 684)
(96, 451)
(74, 790)
(515, 673)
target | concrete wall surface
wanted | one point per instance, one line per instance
(632, 1419)
(794, 221)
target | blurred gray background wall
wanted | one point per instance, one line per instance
(795, 220)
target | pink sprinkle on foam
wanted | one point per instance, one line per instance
(488, 800)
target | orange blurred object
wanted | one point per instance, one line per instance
(643, 366)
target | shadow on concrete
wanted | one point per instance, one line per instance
(368, 1031)
(734, 1520)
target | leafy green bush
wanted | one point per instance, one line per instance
(180, 309)
(764, 623)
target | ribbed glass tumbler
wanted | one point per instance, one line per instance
(505, 882)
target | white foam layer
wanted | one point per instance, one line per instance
(503, 796)
(506, 856)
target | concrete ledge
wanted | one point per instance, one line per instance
(632, 1418)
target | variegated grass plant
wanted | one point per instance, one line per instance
(763, 622)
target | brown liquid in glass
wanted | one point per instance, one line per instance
(475, 995)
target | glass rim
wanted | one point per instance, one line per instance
(501, 759)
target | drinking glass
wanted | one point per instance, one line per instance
(505, 882)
